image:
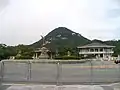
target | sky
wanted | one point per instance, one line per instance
(23, 21)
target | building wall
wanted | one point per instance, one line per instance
(98, 52)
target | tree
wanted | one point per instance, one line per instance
(6, 51)
(24, 52)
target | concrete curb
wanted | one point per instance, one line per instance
(115, 86)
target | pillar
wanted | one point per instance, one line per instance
(103, 50)
(36, 55)
(98, 49)
(89, 50)
(104, 56)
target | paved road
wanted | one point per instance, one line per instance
(82, 73)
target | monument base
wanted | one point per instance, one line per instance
(43, 57)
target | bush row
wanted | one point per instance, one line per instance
(67, 58)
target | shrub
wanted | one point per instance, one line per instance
(70, 57)
(67, 57)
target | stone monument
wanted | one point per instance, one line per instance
(42, 53)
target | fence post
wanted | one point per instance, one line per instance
(58, 73)
(91, 73)
(0, 74)
(119, 70)
(2, 71)
(28, 71)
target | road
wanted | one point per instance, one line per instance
(81, 73)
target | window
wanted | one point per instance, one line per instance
(101, 49)
(96, 50)
(91, 50)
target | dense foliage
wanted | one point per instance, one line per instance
(24, 52)
(7, 51)
(20, 51)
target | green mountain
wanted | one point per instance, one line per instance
(62, 37)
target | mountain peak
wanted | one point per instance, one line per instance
(60, 30)
(62, 37)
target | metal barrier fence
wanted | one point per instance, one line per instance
(59, 72)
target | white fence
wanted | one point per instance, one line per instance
(59, 72)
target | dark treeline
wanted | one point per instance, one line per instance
(20, 51)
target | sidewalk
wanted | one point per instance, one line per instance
(115, 86)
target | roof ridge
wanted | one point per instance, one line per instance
(96, 44)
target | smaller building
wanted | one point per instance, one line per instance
(97, 50)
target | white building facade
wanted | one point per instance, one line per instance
(99, 50)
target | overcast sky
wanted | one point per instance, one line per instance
(23, 21)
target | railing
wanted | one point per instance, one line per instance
(59, 72)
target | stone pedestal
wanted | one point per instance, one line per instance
(42, 53)
(43, 56)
